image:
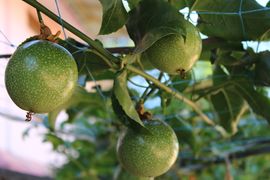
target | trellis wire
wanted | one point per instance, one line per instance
(60, 17)
(231, 13)
(95, 82)
(99, 91)
(242, 21)
(7, 42)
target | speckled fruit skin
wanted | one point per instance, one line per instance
(148, 154)
(173, 53)
(40, 76)
(121, 174)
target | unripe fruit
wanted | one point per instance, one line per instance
(148, 153)
(40, 76)
(175, 54)
(121, 174)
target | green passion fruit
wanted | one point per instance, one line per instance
(175, 54)
(40, 76)
(121, 174)
(148, 153)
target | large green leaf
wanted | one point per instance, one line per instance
(133, 3)
(260, 103)
(262, 69)
(227, 102)
(222, 18)
(152, 20)
(229, 106)
(268, 4)
(180, 4)
(211, 44)
(114, 16)
(88, 61)
(122, 103)
(71, 44)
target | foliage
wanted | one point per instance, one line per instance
(217, 119)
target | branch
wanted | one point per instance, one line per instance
(116, 50)
(220, 160)
(121, 50)
(4, 56)
(263, 147)
(180, 97)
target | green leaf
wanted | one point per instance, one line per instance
(152, 20)
(260, 103)
(88, 61)
(227, 102)
(133, 3)
(221, 19)
(80, 95)
(268, 4)
(228, 105)
(262, 69)
(114, 16)
(122, 102)
(154, 35)
(211, 44)
(71, 44)
(229, 58)
(180, 4)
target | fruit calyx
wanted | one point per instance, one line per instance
(144, 115)
(29, 115)
(45, 34)
(182, 73)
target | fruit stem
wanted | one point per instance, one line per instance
(147, 94)
(39, 17)
(180, 97)
(72, 29)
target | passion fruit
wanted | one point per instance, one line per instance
(175, 54)
(121, 174)
(148, 153)
(40, 76)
